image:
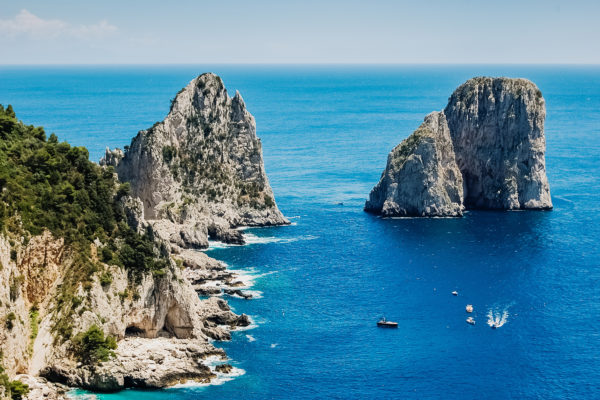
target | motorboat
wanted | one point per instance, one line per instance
(470, 321)
(469, 308)
(383, 323)
(455, 293)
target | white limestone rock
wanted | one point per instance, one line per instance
(201, 169)
(487, 151)
(421, 177)
(497, 127)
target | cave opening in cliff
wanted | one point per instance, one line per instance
(134, 331)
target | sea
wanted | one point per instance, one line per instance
(322, 283)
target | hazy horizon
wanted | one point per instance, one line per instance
(464, 32)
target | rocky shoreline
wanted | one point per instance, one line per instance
(150, 301)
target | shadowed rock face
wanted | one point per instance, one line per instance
(487, 146)
(421, 177)
(200, 170)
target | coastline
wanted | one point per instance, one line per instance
(213, 284)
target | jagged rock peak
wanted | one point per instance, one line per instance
(488, 147)
(421, 177)
(201, 168)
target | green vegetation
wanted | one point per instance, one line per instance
(105, 279)
(15, 390)
(92, 347)
(18, 389)
(169, 152)
(409, 145)
(10, 318)
(47, 184)
(34, 315)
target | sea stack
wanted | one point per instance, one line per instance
(421, 177)
(200, 173)
(494, 158)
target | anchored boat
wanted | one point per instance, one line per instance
(383, 323)
(471, 321)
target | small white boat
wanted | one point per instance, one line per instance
(469, 308)
(383, 323)
(471, 321)
(455, 293)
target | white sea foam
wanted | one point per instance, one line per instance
(213, 361)
(77, 395)
(252, 239)
(498, 316)
(219, 380)
(245, 328)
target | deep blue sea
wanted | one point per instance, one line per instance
(326, 133)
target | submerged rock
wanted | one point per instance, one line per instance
(485, 150)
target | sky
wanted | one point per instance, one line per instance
(300, 32)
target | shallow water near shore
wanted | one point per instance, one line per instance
(327, 279)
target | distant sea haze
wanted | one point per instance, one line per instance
(324, 281)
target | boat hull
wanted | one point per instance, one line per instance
(387, 324)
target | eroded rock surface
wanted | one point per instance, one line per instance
(421, 177)
(486, 151)
(144, 363)
(200, 173)
(497, 127)
(197, 175)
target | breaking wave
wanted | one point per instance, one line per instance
(252, 239)
(219, 380)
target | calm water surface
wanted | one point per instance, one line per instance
(326, 132)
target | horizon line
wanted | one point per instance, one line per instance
(284, 64)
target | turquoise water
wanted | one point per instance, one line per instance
(326, 132)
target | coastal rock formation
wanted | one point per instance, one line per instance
(144, 363)
(485, 151)
(421, 177)
(199, 173)
(120, 260)
(497, 127)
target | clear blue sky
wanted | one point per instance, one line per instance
(265, 31)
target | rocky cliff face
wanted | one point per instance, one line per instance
(200, 173)
(421, 177)
(497, 127)
(492, 154)
(165, 307)
(197, 175)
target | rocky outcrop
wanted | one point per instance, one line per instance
(486, 151)
(196, 176)
(144, 363)
(199, 173)
(497, 127)
(421, 177)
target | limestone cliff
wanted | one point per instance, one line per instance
(80, 263)
(491, 145)
(421, 177)
(200, 173)
(497, 127)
